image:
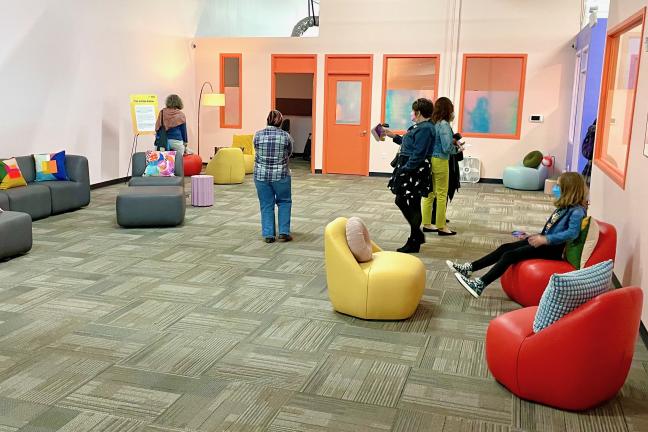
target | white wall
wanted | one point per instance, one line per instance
(67, 68)
(627, 209)
(300, 127)
(544, 30)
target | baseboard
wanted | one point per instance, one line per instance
(318, 171)
(490, 180)
(643, 332)
(379, 174)
(109, 182)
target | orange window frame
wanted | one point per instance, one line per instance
(518, 128)
(222, 90)
(386, 57)
(607, 83)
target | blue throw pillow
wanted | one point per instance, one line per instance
(61, 173)
(568, 291)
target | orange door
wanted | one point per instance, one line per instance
(346, 142)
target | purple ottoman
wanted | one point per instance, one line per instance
(202, 190)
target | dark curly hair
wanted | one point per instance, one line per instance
(443, 110)
(174, 101)
(423, 106)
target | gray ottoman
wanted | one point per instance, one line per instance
(15, 232)
(151, 206)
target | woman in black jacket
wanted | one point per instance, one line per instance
(411, 178)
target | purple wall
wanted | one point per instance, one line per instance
(595, 37)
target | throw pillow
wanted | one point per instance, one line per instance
(10, 175)
(568, 291)
(160, 163)
(358, 239)
(591, 241)
(50, 166)
(533, 159)
(45, 167)
(579, 251)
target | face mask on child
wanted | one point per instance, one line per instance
(556, 191)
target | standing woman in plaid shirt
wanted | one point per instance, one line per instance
(273, 148)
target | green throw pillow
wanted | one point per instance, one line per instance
(579, 251)
(574, 248)
(533, 159)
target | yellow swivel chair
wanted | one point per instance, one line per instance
(245, 143)
(227, 166)
(389, 287)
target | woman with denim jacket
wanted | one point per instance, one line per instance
(563, 225)
(411, 178)
(444, 146)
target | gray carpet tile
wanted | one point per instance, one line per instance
(204, 327)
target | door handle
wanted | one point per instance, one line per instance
(363, 133)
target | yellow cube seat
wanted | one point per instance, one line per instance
(389, 287)
(246, 144)
(227, 166)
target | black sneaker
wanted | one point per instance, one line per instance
(269, 239)
(463, 269)
(285, 237)
(474, 286)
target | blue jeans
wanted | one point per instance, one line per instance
(271, 193)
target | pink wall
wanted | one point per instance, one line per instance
(627, 209)
(420, 27)
(67, 69)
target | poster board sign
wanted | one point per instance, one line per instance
(144, 108)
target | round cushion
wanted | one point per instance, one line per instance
(358, 239)
(192, 164)
(533, 159)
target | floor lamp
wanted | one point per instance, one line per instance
(208, 99)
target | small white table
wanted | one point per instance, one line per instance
(202, 190)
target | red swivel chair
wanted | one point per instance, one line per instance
(577, 362)
(192, 164)
(525, 281)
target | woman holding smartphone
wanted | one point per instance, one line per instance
(411, 178)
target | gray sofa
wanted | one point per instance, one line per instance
(139, 165)
(16, 234)
(42, 199)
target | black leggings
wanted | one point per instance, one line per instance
(511, 253)
(411, 209)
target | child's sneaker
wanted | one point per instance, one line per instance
(463, 269)
(474, 286)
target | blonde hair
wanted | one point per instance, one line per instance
(174, 101)
(573, 190)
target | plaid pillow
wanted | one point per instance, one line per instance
(568, 291)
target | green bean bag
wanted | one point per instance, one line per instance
(533, 159)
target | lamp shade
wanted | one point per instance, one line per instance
(213, 99)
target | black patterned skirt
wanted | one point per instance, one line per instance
(412, 184)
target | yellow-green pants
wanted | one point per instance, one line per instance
(440, 176)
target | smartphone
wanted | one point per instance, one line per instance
(519, 234)
(378, 132)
